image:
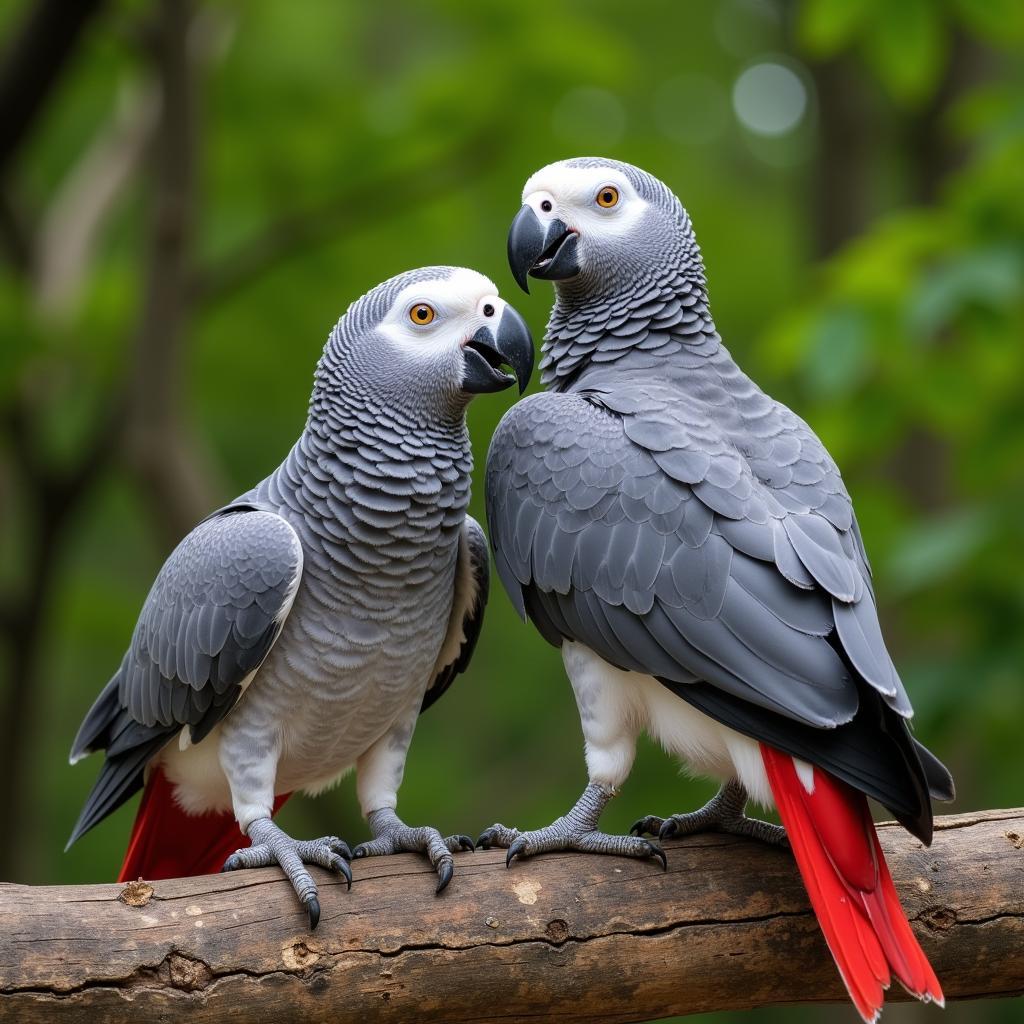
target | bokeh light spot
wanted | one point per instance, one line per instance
(769, 99)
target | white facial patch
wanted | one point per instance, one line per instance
(572, 193)
(459, 306)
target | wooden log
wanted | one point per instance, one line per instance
(577, 937)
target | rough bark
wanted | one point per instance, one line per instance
(564, 936)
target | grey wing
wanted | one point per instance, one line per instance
(620, 518)
(211, 617)
(472, 585)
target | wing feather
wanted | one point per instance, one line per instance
(472, 585)
(621, 519)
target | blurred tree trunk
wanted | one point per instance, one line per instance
(847, 141)
(922, 463)
(160, 446)
(849, 159)
(142, 420)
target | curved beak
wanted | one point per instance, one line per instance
(547, 252)
(509, 344)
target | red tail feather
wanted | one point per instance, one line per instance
(851, 890)
(168, 843)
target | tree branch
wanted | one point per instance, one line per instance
(568, 937)
(38, 52)
(300, 230)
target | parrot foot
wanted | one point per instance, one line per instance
(271, 845)
(392, 835)
(722, 813)
(576, 830)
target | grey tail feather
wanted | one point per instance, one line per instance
(119, 779)
(93, 733)
(940, 782)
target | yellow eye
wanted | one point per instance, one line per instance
(421, 313)
(608, 196)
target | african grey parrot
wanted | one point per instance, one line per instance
(689, 545)
(300, 630)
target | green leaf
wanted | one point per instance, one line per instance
(930, 551)
(988, 277)
(838, 356)
(1000, 22)
(907, 45)
(825, 27)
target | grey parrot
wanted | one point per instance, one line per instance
(689, 544)
(300, 630)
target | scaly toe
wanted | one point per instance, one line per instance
(650, 825)
(496, 835)
(516, 849)
(340, 847)
(373, 848)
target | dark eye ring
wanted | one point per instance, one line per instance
(488, 310)
(546, 205)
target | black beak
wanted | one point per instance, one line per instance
(487, 350)
(545, 252)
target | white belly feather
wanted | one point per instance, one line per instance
(615, 706)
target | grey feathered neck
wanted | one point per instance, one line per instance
(643, 300)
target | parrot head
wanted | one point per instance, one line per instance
(596, 226)
(434, 337)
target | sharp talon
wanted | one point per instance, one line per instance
(465, 843)
(313, 906)
(444, 875)
(342, 849)
(484, 842)
(657, 851)
(517, 847)
(341, 866)
(669, 827)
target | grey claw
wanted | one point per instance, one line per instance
(669, 827)
(341, 866)
(484, 842)
(444, 875)
(657, 851)
(342, 849)
(517, 847)
(313, 906)
(465, 843)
